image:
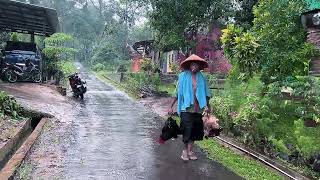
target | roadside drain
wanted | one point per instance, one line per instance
(35, 117)
(14, 151)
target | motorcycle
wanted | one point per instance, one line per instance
(13, 73)
(77, 85)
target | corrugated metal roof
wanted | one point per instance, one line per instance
(21, 17)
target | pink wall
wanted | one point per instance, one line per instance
(205, 49)
(136, 63)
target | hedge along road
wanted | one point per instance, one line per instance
(117, 138)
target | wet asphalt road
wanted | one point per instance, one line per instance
(116, 138)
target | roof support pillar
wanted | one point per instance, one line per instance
(32, 37)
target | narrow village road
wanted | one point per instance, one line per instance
(116, 138)
(112, 137)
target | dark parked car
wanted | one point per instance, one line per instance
(18, 52)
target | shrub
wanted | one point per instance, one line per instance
(98, 67)
(147, 65)
(9, 106)
(303, 90)
(175, 68)
(122, 68)
(136, 80)
(238, 91)
(155, 80)
(307, 145)
(279, 145)
(223, 108)
(212, 80)
(67, 67)
(254, 120)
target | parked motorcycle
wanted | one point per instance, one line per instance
(13, 73)
(77, 85)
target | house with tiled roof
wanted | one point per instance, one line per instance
(207, 47)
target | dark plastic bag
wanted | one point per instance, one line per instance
(170, 130)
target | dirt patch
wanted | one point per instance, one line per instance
(46, 156)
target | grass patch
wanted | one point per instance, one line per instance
(136, 83)
(170, 88)
(241, 165)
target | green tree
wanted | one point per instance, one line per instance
(56, 46)
(140, 33)
(283, 51)
(244, 16)
(14, 37)
(4, 37)
(243, 50)
(282, 38)
(57, 53)
(101, 29)
(178, 22)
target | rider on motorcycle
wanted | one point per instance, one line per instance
(29, 65)
(77, 85)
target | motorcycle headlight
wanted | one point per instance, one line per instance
(316, 19)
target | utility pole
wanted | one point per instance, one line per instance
(126, 21)
(73, 43)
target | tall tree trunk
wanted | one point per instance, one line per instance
(101, 8)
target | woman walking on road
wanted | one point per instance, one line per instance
(193, 96)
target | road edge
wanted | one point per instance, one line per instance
(15, 142)
(10, 168)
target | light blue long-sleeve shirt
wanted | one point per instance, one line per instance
(185, 93)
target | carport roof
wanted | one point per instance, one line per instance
(27, 18)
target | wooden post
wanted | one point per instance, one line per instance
(32, 37)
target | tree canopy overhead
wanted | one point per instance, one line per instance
(100, 27)
(178, 22)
